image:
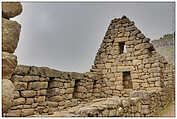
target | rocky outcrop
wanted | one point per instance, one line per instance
(166, 47)
(10, 37)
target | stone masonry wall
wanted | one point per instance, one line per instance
(10, 37)
(139, 104)
(41, 90)
(125, 58)
(139, 58)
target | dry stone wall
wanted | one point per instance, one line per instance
(125, 50)
(138, 104)
(10, 37)
(128, 78)
(41, 90)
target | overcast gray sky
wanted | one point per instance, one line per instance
(66, 36)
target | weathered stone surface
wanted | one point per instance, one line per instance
(29, 100)
(37, 85)
(52, 104)
(28, 93)
(16, 94)
(9, 62)
(56, 98)
(18, 101)
(39, 99)
(20, 85)
(7, 94)
(42, 92)
(10, 35)
(55, 84)
(50, 72)
(11, 9)
(125, 68)
(27, 112)
(22, 70)
(137, 62)
(75, 75)
(142, 46)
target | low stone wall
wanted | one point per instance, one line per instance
(139, 104)
(41, 90)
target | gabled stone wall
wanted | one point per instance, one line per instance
(145, 65)
(126, 63)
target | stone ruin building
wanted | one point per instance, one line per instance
(128, 77)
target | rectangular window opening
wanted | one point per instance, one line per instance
(75, 89)
(122, 47)
(94, 84)
(127, 81)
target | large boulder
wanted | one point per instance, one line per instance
(9, 63)
(7, 94)
(10, 35)
(11, 9)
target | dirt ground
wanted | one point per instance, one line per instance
(169, 111)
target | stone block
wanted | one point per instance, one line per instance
(39, 99)
(29, 101)
(47, 72)
(154, 70)
(56, 98)
(9, 62)
(22, 70)
(16, 107)
(37, 85)
(20, 85)
(26, 78)
(27, 112)
(18, 101)
(42, 92)
(11, 9)
(137, 62)
(142, 46)
(10, 35)
(108, 65)
(16, 94)
(52, 104)
(27, 106)
(158, 83)
(123, 39)
(125, 68)
(75, 75)
(7, 94)
(55, 84)
(145, 109)
(69, 90)
(136, 86)
(140, 35)
(28, 93)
